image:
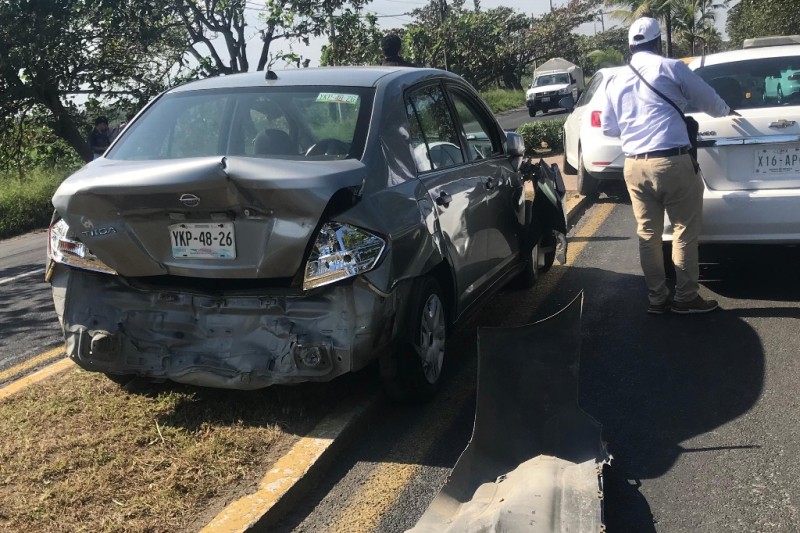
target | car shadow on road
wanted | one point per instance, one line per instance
(655, 382)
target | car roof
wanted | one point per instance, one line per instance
(732, 56)
(339, 76)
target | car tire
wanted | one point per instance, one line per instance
(586, 183)
(669, 266)
(565, 166)
(540, 260)
(531, 111)
(418, 353)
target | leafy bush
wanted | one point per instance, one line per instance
(25, 204)
(500, 100)
(543, 135)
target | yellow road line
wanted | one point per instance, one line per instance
(245, 512)
(33, 362)
(36, 377)
(383, 486)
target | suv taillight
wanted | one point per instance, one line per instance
(595, 119)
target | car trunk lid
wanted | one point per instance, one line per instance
(152, 218)
(758, 151)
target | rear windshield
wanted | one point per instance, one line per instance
(314, 123)
(767, 82)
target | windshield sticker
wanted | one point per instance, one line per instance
(338, 98)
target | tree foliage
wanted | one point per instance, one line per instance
(759, 18)
(354, 40)
(487, 46)
(52, 49)
(280, 22)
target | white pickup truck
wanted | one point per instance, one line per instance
(552, 81)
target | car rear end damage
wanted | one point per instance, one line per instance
(236, 339)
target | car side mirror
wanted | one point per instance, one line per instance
(567, 103)
(515, 148)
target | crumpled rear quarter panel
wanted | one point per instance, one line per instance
(228, 341)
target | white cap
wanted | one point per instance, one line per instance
(643, 30)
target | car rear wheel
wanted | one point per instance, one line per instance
(587, 184)
(417, 358)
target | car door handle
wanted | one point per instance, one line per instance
(444, 199)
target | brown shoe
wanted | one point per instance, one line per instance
(698, 305)
(660, 309)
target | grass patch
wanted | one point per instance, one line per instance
(500, 100)
(25, 203)
(78, 453)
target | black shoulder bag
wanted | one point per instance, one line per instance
(692, 127)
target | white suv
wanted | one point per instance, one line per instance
(751, 164)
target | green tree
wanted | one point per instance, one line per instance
(492, 46)
(759, 18)
(218, 31)
(629, 10)
(50, 50)
(355, 39)
(605, 58)
(602, 49)
(693, 21)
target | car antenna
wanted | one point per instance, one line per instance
(271, 76)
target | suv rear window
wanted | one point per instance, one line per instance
(756, 83)
(316, 123)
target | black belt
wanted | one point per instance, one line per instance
(671, 152)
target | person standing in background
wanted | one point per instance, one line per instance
(659, 171)
(99, 138)
(390, 45)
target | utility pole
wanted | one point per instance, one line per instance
(333, 38)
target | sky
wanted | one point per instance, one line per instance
(392, 14)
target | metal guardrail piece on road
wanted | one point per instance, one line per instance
(534, 462)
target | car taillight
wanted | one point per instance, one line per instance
(595, 119)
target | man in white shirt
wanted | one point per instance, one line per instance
(659, 172)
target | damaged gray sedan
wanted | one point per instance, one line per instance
(256, 229)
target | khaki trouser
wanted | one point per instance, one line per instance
(671, 184)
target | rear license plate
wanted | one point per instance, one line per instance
(777, 162)
(212, 240)
(546, 99)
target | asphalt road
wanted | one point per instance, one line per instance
(700, 412)
(28, 323)
(511, 120)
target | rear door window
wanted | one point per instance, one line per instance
(435, 141)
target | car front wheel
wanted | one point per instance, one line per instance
(532, 111)
(418, 354)
(542, 257)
